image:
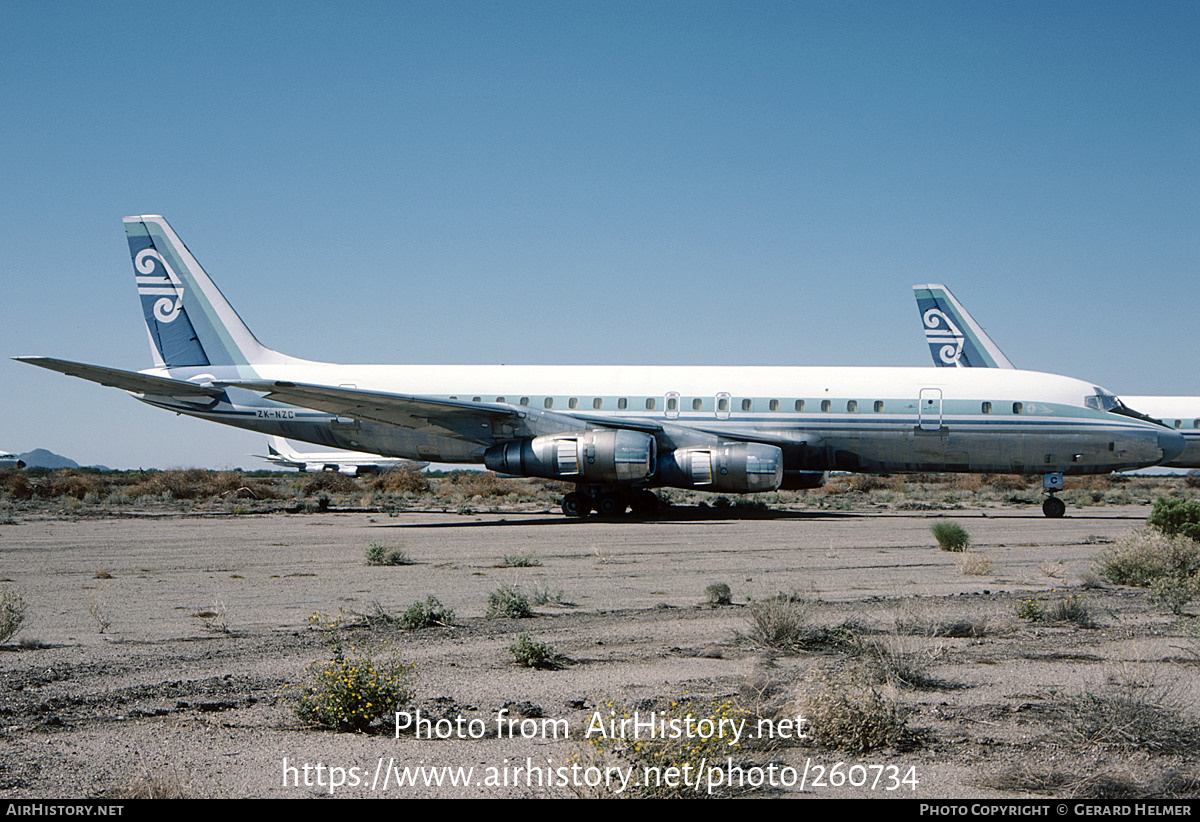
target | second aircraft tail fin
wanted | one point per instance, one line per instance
(955, 339)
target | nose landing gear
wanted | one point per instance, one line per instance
(1052, 506)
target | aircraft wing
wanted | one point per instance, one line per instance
(481, 422)
(133, 381)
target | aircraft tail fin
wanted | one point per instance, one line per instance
(189, 321)
(955, 339)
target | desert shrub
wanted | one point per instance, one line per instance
(331, 482)
(520, 561)
(1134, 715)
(403, 479)
(1146, 555)
(1175, 591)
(16, 485)
(427, 614)
(68, 482)
(781, 623)
(973, 563)
(951, 536)
(1192, 480)
(378, 554)
(897, 664)
(533, 654)
(1173, 515)
(354, 689)
(1031, 609)
(660, 760)
(12, 613)
(845, 709)
(1006, 483)
(481, 484)
(718, 594)
(162, 783)
(508, 602)
(1073, 608)
(875, 482)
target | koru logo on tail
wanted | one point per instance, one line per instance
(166, 284)
(948, 340)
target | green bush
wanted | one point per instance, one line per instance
(1175, 592)
(719, 594)
(355, 688)
(386, 555)
(508, 602)
(533, 654)
(951, 536)
(12, 613)
(427, 614)
(1172, 515)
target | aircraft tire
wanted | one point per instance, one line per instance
(576, 505)
(1053, 507)
(611, 505)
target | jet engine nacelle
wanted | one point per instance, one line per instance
(585, 456)
(744, 467)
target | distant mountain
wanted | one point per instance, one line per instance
(41, 458)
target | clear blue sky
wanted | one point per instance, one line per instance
(550, 182)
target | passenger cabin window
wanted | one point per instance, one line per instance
(985, 407)
(799, 405)
(672, 403)
(650, 403)
(499, 399)
(826, 405)
(723, 404)
(697, 404)
(1018, 408)
(1179, 423)
(878, 406)
(548, 402)
(476, 399)
(747, 405)
(573, 402)
(622, 403)
(524, 400)
(597, 403)
(774, 405)
(852, 406)
(1195, 423)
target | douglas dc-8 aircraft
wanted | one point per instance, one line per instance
(615, 431)
(956, 340)
(353, 463)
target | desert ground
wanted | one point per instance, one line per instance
(162, 647)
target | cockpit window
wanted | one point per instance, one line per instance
(1102, 401)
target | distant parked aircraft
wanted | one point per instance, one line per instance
(617, 431)
(344, 462)
(8, 460)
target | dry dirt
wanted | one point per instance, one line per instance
(157, 649)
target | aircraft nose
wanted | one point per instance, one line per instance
(1172, 444)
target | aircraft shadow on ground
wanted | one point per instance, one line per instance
(672, 516)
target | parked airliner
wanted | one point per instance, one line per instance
(354, 463)
(615, 431)
(957, 340)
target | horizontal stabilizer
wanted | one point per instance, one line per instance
(125, 380)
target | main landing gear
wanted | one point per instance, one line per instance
(609, 502)
(1052, 506)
